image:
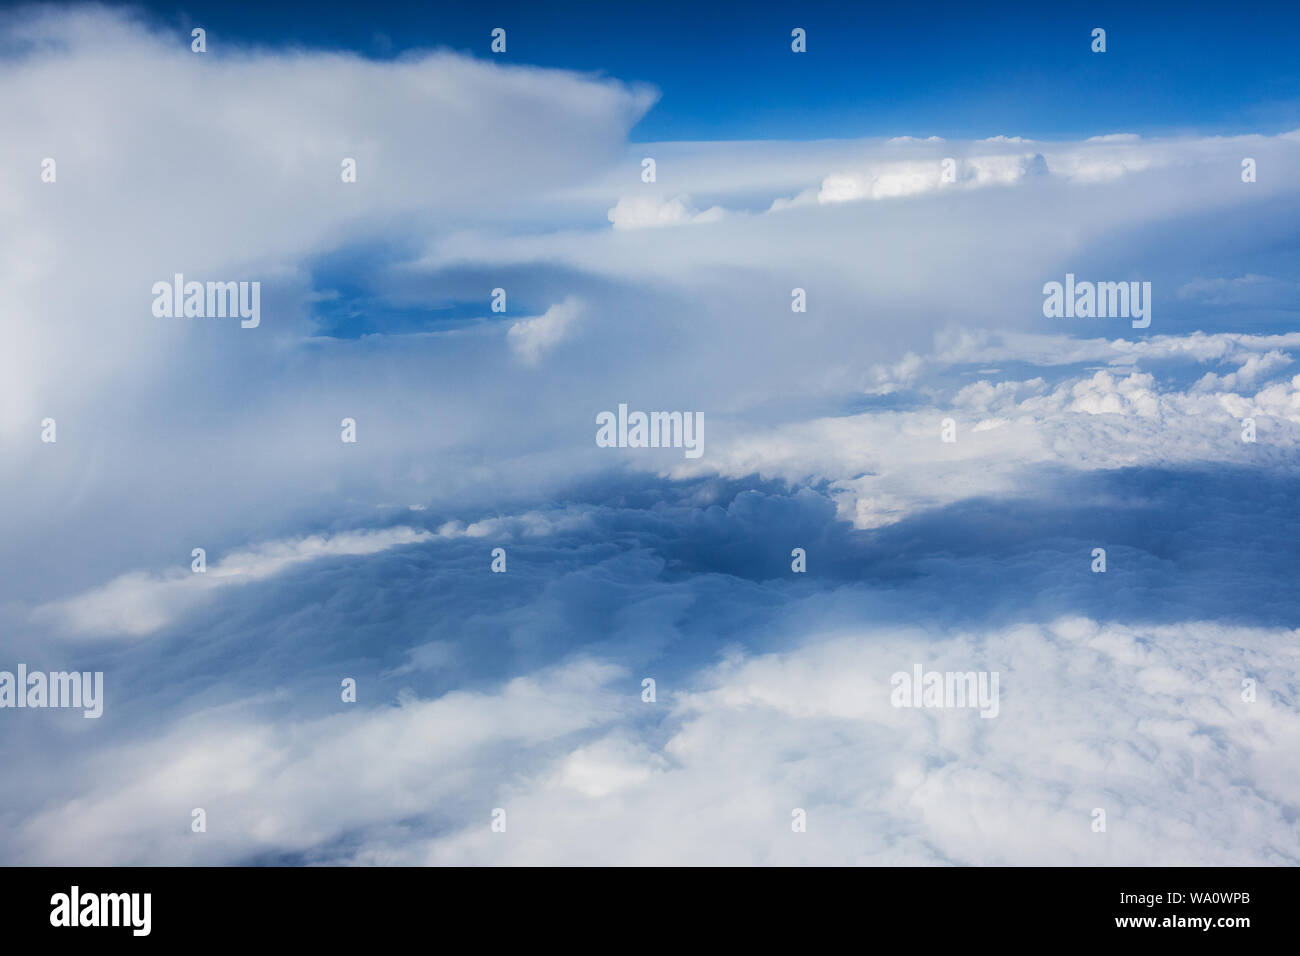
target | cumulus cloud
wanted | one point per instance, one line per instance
(1105, 717)
(638, 212)
(1146, 723)
(333, 774)
(187, 152)
(531, 339)
(256, 133)
(887, 463)
(907, 179)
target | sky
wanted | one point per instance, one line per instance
(840, 268)
(723, 69)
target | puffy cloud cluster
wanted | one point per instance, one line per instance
(1146, 723)
(637, 212)
(888, 462)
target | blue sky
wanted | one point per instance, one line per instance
(726, 72)
(919, 177)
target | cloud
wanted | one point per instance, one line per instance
(907, 179)
(140, 603)
(522, 690)
(1146, 723)
(227, 167)
(642, 211)
(280, 788)
(256, 133)
(1248, 291)
(1253, 368)
(531, 339)
(887, 463)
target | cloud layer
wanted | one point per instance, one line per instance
(522, 690)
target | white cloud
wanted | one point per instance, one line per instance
(532, 339)
(638, 212)
(280, 787)
(173, 433)
(257, 134)
(1145, 722)
(885, 465)
(140, 603)
(893, 180)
